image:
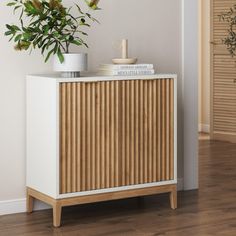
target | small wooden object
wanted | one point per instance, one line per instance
(124, 59)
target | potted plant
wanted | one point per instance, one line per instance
(51, 27)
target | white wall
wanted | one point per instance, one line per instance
(154, 30)
(190, 60)
(13, 66)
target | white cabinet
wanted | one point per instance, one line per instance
(94, 139)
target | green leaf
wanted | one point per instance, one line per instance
(92, 4)
(8, 33)
(9, 27)
(27, 36)
(21, 15)
(95, 20)
(50, 42)
(43, 48)
(16, 28)
(84, 24)
(15, 8)
(22, 45)
(46, 29)
(44, 41)
(83, 33)
(49, 54)
(13, 27)
(55, 47)
(60, 55)
(77, 42)
(11, 4)
(12, 37)
(85, 44)
(37, 41)
(56, 34)
(18, 37)
(79, 9)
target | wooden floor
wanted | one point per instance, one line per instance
(210, 211)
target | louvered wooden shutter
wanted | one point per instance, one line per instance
(223, 86)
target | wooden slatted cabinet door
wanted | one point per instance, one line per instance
(116, 133)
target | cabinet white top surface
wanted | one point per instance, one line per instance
(94, 77)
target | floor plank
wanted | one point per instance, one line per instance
(209, 211)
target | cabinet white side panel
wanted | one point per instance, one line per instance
(175, 131)
(42, 135)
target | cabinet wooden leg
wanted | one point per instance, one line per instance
(57, 215)
(29, 203)
(173, 199)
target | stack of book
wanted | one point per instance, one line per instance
(126, 70)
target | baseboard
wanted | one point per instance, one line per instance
(19, 205)
(180, 185)
(204, 128)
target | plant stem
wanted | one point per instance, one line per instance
(67, 47)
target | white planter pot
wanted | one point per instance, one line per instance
(72, 66)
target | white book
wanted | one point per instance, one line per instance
(126, 67)
(126, 72)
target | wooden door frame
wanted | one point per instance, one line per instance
(204, 65)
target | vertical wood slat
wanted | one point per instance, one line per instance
(78, 135)
(88, 135)
(127, 133)
(83, 139)
(98, 136)
(123, 123)
(115, 134)
(68, 137)
(132, 134)
(112, 136)
(163, 130)
(107, 134)
(145, 133)
(150, 131)
(137, 133)
(141, 137)
(103, 151)
(73, 141)
(154, 130)
(159, 131)
(93, 137)
(167, 128)
(172, 129)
